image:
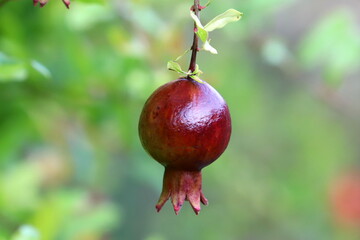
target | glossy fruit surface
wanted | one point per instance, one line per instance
(185, 125)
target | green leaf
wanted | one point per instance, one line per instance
(203, 35)
(196, 78)
(208, 3)
(179, 57)
(197, 70)
(196, 19)
(209, 48)
(174, 66)
(221, 20)
(201, 32)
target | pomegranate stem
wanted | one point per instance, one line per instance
(196, 8)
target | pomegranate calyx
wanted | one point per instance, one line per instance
(180, 186)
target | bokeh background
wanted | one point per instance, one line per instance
(72, 86)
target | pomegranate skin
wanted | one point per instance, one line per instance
(185, 125)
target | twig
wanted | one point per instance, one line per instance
(196, 8)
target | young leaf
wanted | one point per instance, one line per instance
(208, 47)
(179, 57)
(201, 32)
(221, 20)
(196, 19)
(208, 3)
(197, 70)
(174, 66)
(196, 78)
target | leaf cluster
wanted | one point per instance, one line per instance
(220, 21)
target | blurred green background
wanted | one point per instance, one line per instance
(73, 83)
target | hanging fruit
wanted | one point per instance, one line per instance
(185, 124)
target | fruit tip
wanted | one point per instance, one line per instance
(197, 211)
(203, 199)
(177, 209)
(158, 208)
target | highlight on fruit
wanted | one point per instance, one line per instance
(185, 125)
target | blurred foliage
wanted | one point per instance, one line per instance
(72, 85)
(335, 44)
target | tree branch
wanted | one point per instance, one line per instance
(196, 8)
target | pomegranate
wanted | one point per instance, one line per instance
(185, 125)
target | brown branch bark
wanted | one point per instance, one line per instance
(196, 8)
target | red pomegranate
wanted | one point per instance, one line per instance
(185, 125)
